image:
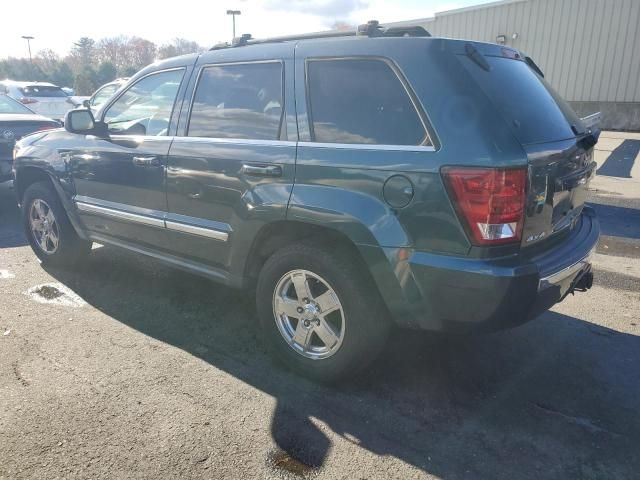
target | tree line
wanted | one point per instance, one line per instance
(91, 63)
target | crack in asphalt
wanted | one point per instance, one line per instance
(18, 375)
(580, 421)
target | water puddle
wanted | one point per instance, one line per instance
(281, 460)
(48, 292)
(56, 294)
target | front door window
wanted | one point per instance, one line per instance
(145, 108)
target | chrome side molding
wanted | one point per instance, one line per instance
(153, 218)
(121, 215)
(193, 230)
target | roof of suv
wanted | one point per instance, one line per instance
(372, 30)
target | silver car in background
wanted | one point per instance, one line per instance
(44, 98)
(104, 93)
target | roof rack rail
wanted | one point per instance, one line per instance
(369, 29)
(241, 40)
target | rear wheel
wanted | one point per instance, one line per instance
(51, 235)
(320, 312)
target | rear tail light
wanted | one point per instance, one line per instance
(27, 100)
(489, 201)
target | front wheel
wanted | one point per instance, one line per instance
(320, 312)
(51, 235)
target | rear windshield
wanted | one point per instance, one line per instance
(9, 105)
(525, 100)
(42, 91)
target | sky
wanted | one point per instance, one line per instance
(56, 25)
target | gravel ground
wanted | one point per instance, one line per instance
(141, 371)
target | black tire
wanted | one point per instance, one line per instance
(71, 249)
(365, 316)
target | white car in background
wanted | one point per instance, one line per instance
(44, 98)
(104, 93)
(77, 100)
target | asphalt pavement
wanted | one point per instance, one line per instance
(126, 368)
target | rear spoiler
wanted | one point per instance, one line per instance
(592, 121)
(592, 124)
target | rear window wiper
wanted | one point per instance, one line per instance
(473, 53)
(529, 61)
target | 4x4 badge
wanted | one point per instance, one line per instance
(538, 236)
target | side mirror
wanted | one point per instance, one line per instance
(86, 104)
(80, 120)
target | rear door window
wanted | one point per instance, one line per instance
(525, 100)
(361, 101)
(42, 91)
(9, 105)
(241, 101)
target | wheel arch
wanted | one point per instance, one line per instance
(372, 261)
(27, 175)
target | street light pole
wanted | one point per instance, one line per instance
(28, 39)
(233, 14)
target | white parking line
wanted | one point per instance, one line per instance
(5, 274)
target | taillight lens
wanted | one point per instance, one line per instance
(27, 100)
(490, 202)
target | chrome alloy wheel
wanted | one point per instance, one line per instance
(44, 227)
(308, 314)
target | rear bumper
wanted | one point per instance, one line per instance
(437, 292)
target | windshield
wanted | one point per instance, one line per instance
(42, 91)
(525, 100)
(9, 105)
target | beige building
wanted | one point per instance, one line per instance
(589, 50)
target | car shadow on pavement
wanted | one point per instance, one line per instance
(618, 221)
(12, 235)
(556, 398)
(620, 162)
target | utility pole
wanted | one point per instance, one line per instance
(28, 39)
(233, 14)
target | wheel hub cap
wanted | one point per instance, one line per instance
(44, 227)
(308, 314)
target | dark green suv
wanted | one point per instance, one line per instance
(356, 182)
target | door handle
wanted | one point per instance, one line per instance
(146, 161)
(262, 170)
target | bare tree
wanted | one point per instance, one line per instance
(178, 46)
(113, 50)
(47, 60)
(140, 52)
